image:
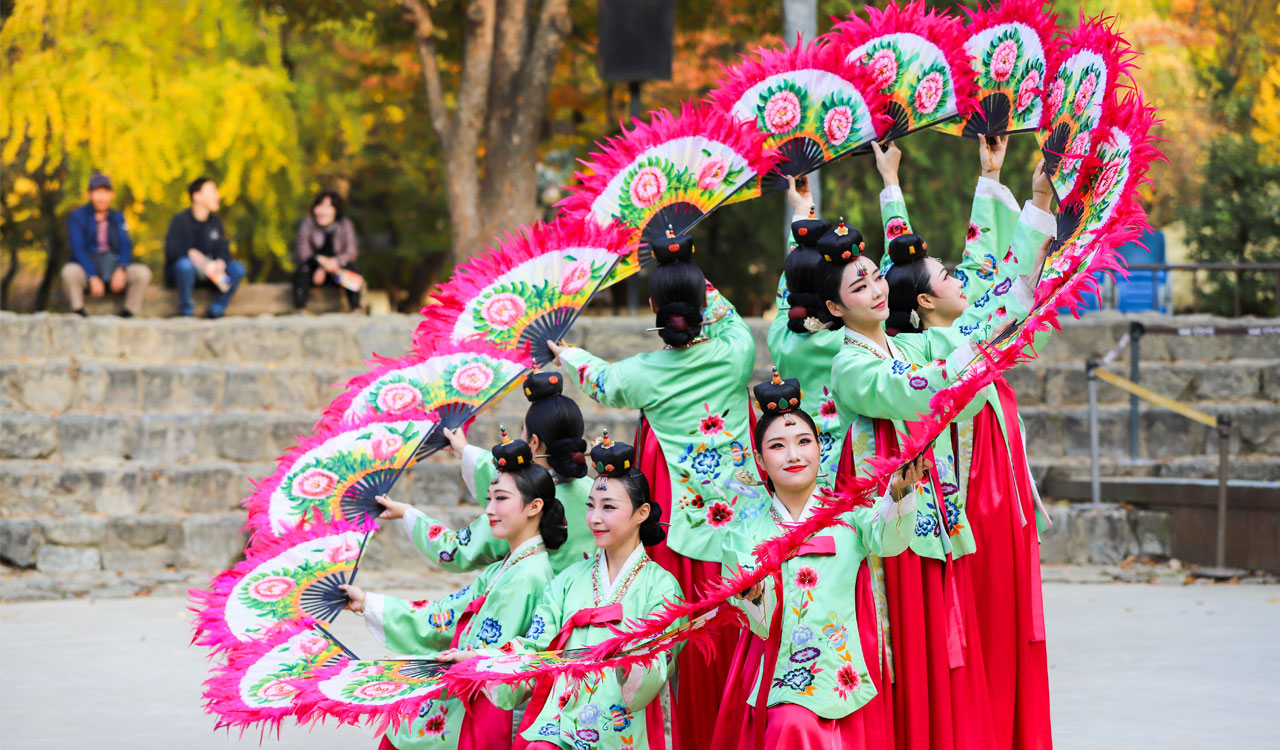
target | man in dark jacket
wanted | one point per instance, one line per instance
(196, 250)
(102, 253)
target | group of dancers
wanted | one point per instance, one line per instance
(915, 623)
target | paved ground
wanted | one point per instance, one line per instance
(1132, 666)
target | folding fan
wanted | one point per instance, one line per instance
(335, 473)
(1011, 46)
(1080, 92)
(384, 691)
(917, 56)
(669, 172)
(453, 381)
(1105, 199)
(812, 105)
(527, 290)
(284, 582)
(258, 682)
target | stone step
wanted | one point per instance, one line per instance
(1064, 431)
(1097, 333)
(249, 299)
(1064, 384)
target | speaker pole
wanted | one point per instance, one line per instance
(633, 283)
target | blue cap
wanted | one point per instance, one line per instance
(99, 180)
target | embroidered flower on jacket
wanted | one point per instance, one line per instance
(917, 382)
(436, 724)
(621, 717)
(806, 578)
(949, 488)
(983, 300)
(847, 680)
(952, 511)
(898, 366)
(446, 555)
(589, 715)
(805, 655)
(706, 462)
(464, 536)
(490, 631)
(1003, 287)
(988, 267)
(549, 730)
(737, 454)
(434, 531)
(926, 525)
(968, 328)
(719, 514)
(961, 276)
(827, 409)
(973, 233)
(801, 635)
(896, 227)
(441, 621)
(537, 626)
(588, 735)
(799, 679)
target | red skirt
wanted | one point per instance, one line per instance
(1006, 576)
(701, 674)
(792, 727)
(939, 693)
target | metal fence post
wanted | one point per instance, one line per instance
(1224, 442)
(1095, 479)
(1135, 343)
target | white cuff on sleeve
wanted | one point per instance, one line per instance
(410, 520)
(1038, 220)
(997, 191)
(889, 511)
(1024, 292)
(889, 194)
(470, 457)
(373, 608)
(960, 359)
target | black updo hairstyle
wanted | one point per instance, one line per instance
(557, 421)
(908, 278)
(839, 247)
(805, 272)
(618, 461)
(515, 459)
(776, 399)
(678, 289)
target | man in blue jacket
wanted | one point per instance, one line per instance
(102, 253)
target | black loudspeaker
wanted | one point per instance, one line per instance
(636, 37)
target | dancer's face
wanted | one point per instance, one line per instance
(864, 295)
(790, 454)
(508, 514)
(946, 302)
(613, 520)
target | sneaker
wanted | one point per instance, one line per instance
(211, 315)
(80, 312)
(126, 314)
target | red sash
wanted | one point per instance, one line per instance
(583, 618)
(464, 619)
(1018, 456)
(823, 545)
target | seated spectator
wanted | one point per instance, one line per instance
(196, 250)
(326, 252)
(102, 254)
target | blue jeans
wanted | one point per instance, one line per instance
(184, 279)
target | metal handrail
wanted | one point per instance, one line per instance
(1239, 269)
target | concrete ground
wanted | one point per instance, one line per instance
(1132, 666)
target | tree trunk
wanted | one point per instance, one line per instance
(55, 244)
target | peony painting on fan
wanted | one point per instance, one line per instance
(783, 110)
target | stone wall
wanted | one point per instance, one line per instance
(127, 444)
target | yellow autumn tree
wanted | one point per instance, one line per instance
(152, 94)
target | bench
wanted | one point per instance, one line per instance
(249, 300)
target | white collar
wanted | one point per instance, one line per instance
(533, 541)
(805, 512)
(853, 335)
(609, 587)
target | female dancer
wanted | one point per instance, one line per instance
(692, 398)
(577, 609)
(801, 340)
(553, 429)
(524, 514)
(816, 681)
(939, 696)
(995, 491)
